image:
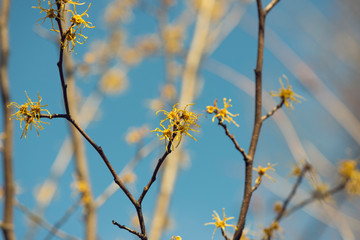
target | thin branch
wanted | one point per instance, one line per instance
(7, 226)
(153, 177)
(269, 114)
(257, 125)
(141, 236)
(232, 138)
(293, 192)
(100, 152)
(313, 198)
(270, 6)
(224, 234)
(61, 55)
(40, 221)
(63, 219)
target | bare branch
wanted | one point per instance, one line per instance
(141, 236)
(269, 114)
(270, 6)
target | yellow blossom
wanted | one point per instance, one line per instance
(262, 172)
(29, 112)
(135, 135)
(272, 230)
(222, 114)
(83, 188)
(113, 81)
(220, 223)
(50, 13)
(286, 94)
(78, 21)
(351, 175)
(179, 121)
(173, 38)
(176, 238)
(72, 37)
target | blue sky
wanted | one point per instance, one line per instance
(214, 178)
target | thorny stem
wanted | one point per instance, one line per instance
(258, 118)
(9, 189)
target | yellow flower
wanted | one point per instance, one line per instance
(347, 168)
(113, 81)
(179, 122)
(50, 13)
(262, 172)
(173, 38)
(351, 175)
(286, 94)
(72, 38)
(176, 238)
(223, 113)
(78, 21)
(29, 112)
(272, 230)
(220, 223)
(72, 35)
(165, 134)
(83, 188)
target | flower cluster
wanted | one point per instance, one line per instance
(179, 122)
(351, 175)
(220, 223)
(286, 94)
(29, 112)
(262, 172)
(271, 231)
(222, 114)
(73, 34)
(176, 238)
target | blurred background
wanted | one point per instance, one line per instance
(136, 62)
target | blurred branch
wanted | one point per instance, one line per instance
(309, 78)
(63, 219)
(130, 166)
(189, 80)
(82, 172)
(40, 221)
(7, 225)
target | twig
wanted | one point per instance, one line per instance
(312, 199)
(258, 118)
(61, 54)
(153, 177)
(224, 234)
(63, 219)
(269, 114)
(40, 221)
(100, 152)
(270, 6)
(7, 226)
(81, 165)
(141, 236)
(292, 193)
(232, 138)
